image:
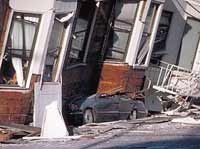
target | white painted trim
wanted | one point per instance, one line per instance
(159, 1)
(41, 45)
(146, 10)
(6, 36)
(154, 33)
(91, 32)
(196, 64)
(64, 49)
(136, 36)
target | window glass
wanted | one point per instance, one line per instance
(53, 50)
(80, 34)
(161, 37)
(19, 48)
(163, 30)
(121, 30)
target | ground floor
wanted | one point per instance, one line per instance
(144, 134)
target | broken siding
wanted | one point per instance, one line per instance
(120, 77)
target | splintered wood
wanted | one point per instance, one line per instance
(5, 134)
(115, 127)
(16, 131)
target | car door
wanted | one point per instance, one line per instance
(125, 107)
(107, 109)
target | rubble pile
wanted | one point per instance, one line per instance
(183, 94)
(187, 84)
(15, 132)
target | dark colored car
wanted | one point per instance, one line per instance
(103, 108)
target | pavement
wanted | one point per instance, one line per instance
(166, 135)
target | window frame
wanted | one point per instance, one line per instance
(148, 34)
(169, 17)
(87, 38)
(56, 63)
(9, 25)
(129, 35)
(152, 38)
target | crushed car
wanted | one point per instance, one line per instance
(106, 107)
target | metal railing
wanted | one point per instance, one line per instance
(169, 77)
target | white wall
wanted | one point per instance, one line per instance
(34, 6)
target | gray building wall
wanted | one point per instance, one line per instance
(175, 34)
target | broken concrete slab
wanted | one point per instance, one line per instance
(16, 131)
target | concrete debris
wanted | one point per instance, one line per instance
(98, 129)
(186, 120)
(189, 86)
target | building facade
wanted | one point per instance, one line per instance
(86, 46)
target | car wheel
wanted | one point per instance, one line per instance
(88, 116)
(133, 115)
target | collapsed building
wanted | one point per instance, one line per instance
(174, 68)
(64, 49)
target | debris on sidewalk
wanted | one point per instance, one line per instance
(186, 120)
(16, 131)
(177, 89)
(111, 128)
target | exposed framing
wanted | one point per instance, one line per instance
(137, 36)
(37, 64)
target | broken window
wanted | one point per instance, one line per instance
(123, 22)
(161, 37)
(83, 20)
(146, 36)
(54, 48)
(18, 53)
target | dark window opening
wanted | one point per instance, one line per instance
(161, 37)
(80, 34)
